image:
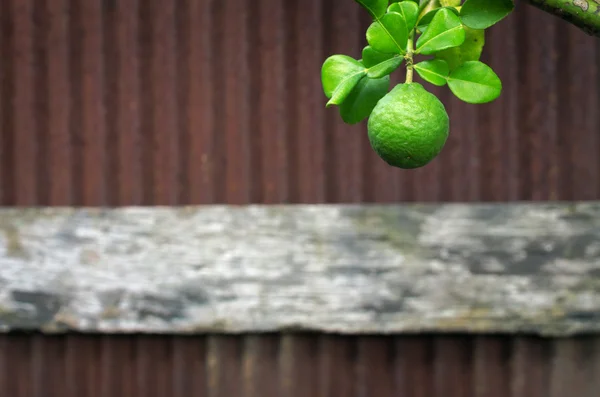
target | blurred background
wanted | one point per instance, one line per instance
(147, 102)
(107, 102)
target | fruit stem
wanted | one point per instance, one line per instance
(409, 58)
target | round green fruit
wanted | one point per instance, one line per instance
(408, 127)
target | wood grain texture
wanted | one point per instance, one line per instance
(349, 269)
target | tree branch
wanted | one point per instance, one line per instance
(584, 14)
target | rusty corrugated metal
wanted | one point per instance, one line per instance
(110, 102)
(204, 101)
(298, 366)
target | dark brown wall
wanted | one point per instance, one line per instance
(298, 366)
(119, 102)
(127, 102)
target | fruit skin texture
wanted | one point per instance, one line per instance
(408, 127)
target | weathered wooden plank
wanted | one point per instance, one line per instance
(350, 269)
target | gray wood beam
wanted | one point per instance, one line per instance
(531, 268)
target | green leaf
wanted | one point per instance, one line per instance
(379, 64)
(481, 14)
(384, 68)
(375, 7)
(470, 50)
(409, 11)
(427, 5)
(426, 19)
(363, 98)
(370, 57)
(335, 69)
(388, 34)
(434, 71)
(450, 3)
(444, 31)
(475, 82)
(345, 87)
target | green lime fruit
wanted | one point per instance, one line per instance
(408, 127)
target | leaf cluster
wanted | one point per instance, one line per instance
(445, 36)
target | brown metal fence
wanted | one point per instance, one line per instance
(298, 366)
(204, 101)
(148, 102)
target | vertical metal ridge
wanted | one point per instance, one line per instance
(4, 364)
(510, 112)
(260, 366)
(414, 366)
(253, 83)
(261, 114)
(257, 143)
(117, 368)
(40, 97)
(299, 365)
(337, 368)
(375, 375)
(24, 128)
(163, 103)
(271, 125)
(110, 50)
(566, 359)
(531, 367)
(49, 366)
(37, 372)
(93, 122)
(453, 362)
(219, 92)
(238, 162)
(345, 140)
(59, 138)
(491, 366)
(76, 49)
(184, 13)
(189, 366)
(498, 129)
(201, 88)
(565, 142)
(462, 157)
(330, 117)
(224, 366)
(127, 97)
(154, 362)
(524, 145)
(292, 90)
(578, 117)
(311, 39)
(18, 373)
(82, 368)
(147, 127)
(593, 348)
(540, 73)
(7, 150)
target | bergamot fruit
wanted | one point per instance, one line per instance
(408, 127)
